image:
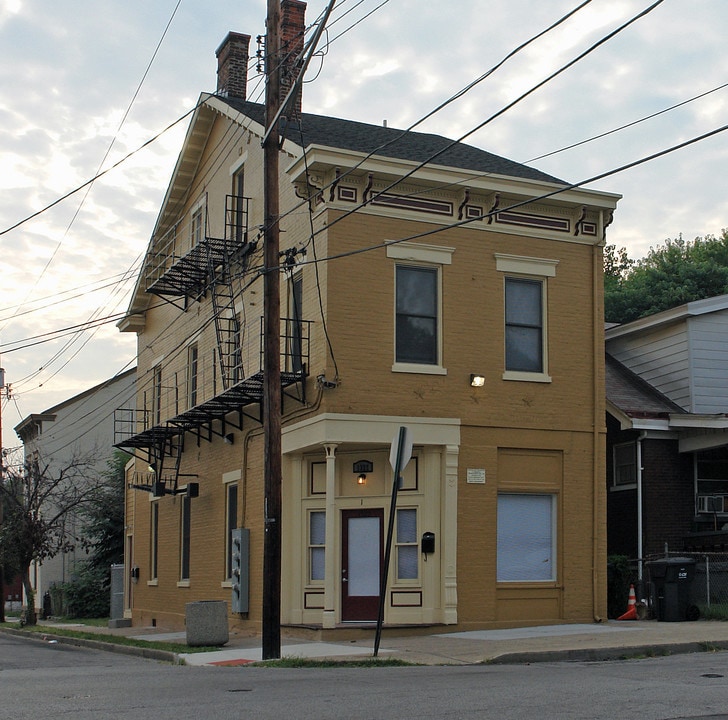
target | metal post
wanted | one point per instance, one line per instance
(390, 532)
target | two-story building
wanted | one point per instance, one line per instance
(425, 283)
(667, 441)
(78, 432)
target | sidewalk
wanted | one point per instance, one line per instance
(582, 642)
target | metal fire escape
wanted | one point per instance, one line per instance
(212, 266)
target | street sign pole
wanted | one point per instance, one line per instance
(398, 458)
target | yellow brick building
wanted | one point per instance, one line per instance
(458, 295)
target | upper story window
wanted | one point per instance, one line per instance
(192, 374)
(417, 315)
(525, 315)
(197, 223)
(418, 306)
(524, 325)
(625, 464)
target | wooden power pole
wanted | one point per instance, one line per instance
(271, 631)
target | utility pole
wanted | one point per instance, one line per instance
(271, 631)
(4, 390)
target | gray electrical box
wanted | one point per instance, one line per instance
(240, 569)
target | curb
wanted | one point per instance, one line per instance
(630, 652)
(148, 653)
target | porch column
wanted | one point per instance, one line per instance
(450, 500)
(329, 614)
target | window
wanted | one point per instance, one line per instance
(157, 395)
(185, 538)
(407, 548)
(524, 325)
(192, 368)
(316, 545)
(236, 358)
(239, 218)
(417, 315)
(231, 523)
(625, 464)
(526, 545)
(196, 227)
(294, 331)
(154, 541)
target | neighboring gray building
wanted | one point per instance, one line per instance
(80, 426)
(667, 430)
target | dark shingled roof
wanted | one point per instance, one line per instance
(634, 396)
(392, 143)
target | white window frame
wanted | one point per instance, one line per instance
(400, 544)
(315, 547)
(528, 268)
(197, 229)
(428, 257)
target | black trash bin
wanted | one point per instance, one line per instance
(671, 583)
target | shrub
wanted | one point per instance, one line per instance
(88, 594)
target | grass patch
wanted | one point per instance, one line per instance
(714, 611)
(110, 639)
(93, 622)
(297, 662)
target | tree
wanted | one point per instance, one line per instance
(672, 274)
(104, 517)
(39, 504)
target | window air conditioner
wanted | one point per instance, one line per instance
(710, 503)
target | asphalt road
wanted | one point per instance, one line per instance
(42, 680)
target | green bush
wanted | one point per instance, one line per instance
(88, 594)
(619, 578)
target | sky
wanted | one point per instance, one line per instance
(84, 83)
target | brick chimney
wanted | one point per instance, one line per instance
(293, 27)
(232, 65)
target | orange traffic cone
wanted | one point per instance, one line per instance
(631, 614)
(632, 597)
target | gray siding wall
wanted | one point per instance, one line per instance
(661, 358)
(708, 337)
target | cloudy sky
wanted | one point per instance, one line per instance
(81, 88)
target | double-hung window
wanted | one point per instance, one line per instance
(418, 306)
(417, 321)
(407, 547)
(525, 316)
(316, 546)
(625, 464)
(524, 325)
(192, 370)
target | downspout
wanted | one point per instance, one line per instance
(640, 438)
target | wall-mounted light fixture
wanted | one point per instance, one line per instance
(477, 380)
(229, 439)
(361, 468)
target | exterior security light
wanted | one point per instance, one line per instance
(477, 380)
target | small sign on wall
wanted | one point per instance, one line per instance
(476, 476)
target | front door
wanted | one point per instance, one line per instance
(361, 564)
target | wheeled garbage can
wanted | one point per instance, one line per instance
(671, 581)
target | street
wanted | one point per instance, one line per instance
(40, 680)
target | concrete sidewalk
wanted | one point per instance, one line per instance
(579, 642)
